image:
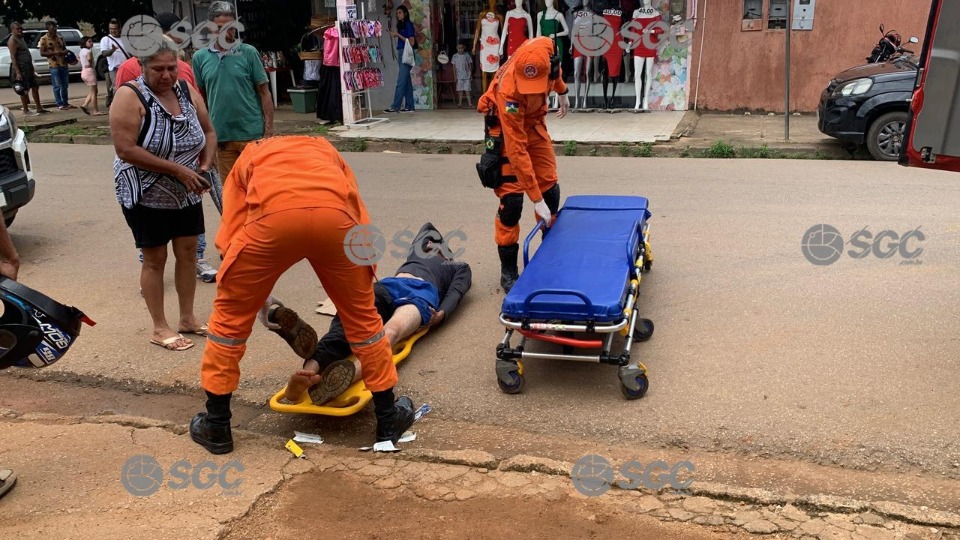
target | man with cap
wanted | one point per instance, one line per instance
(518, 97)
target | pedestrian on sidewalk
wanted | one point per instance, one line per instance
(406, 35)
(114, 48)
(88, 76)
(516, 106)
(54, 49)
(231, 76)
(290, 199)
(23, 70)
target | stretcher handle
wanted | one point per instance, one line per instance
(559, 292)
(526, 243)
(636, 232)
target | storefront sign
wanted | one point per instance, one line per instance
(144, 34)
(595, 37)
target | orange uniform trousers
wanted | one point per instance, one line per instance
(256, 258)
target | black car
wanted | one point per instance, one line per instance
(868, 105)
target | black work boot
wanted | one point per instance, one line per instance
(335, 377)
(393, 418)
(301, 337)
(509, 274)
(211, 429)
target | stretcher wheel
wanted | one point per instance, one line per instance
(647, 266)
(514, 387)
(644, 330)
(630, 393)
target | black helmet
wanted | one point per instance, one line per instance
(19, 88)
(35, 331)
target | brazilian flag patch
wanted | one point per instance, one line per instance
(513, 106)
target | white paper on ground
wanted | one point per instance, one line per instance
(307, 438)
(408, 436)
(327, 308)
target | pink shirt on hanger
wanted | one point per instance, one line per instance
(331, 46)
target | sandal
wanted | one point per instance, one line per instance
(85, 111)
(168, 343)
(7, 480)
(202, 331)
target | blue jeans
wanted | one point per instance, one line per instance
(404, 88)
(60, 78)
(201, 248)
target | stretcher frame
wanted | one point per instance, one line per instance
(633, 375)
(353, 399)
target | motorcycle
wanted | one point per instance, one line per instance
(888, 46)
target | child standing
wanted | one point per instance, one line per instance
(463, 65)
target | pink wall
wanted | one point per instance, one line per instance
(745, 70)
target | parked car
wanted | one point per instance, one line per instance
(869, 104)
(71, 36)
(16, 174)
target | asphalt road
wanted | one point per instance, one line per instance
(756, 350)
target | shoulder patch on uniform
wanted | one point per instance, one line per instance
(513, 106)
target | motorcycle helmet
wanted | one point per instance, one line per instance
(35, 330)
(19, 88)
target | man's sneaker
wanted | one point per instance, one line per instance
(390, 110)
(393, 423)
(336, 377)
(406, 110)
(217, 439)
(301, 337)
(206, 272)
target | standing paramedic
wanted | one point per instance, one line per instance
(518, 98)
(288, 199)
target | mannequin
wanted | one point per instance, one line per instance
(611, 63)
(643, 56)
(582, 24)
(517, 28)
(552, 24)
(486, 42)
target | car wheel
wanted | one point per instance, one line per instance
(886, 136)
(102, 69)
(8, 221)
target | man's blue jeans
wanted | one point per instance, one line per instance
(404, 90)
(60, 78)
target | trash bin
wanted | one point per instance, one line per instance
(304, 100)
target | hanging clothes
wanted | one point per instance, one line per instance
(516, 34)
(329, 96)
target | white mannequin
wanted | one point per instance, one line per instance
(551, 14)
(516, 13)
(582, 64)
(643, 65)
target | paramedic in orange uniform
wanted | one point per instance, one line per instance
(288, 199)
(518, 96)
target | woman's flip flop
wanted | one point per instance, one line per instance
(7, 480)
(202, 331)
(168, 343)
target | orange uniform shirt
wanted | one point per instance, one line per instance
(130, 70)
(519, 115)
(286, 173)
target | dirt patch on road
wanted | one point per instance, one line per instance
(322, 504)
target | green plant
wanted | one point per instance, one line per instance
(570, 148)
(643, 150)
(443, 149)
(685, 152)
(358, 145)
(595, 151)
(624, 149)
(320, 129)
(721, 149)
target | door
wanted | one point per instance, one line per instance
(933, 126)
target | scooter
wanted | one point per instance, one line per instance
(888, 46)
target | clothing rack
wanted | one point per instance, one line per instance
(357, 104)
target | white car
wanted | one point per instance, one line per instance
(16, 174)
(71, 36)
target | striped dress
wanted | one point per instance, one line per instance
(176, 138)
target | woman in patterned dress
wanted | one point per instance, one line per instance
(164, 141)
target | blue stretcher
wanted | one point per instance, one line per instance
(584, 278)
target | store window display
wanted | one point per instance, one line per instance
(611, 62)
(517, 29)
(583, 25)
(486, 42)
(643, 56)
(552, 24)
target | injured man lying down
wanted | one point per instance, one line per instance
(426, 289)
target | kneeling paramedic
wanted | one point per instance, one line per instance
(288, 199)
(515, 106)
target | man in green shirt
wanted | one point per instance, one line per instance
(235, 86)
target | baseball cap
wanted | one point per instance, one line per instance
(532, 66)
(167, 20)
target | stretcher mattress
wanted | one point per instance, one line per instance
(588, 254)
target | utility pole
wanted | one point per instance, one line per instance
(786, 109)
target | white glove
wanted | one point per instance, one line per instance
(271, 301)
(543, 211)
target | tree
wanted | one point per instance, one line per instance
(71, 12)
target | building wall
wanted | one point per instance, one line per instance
(745, 70)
